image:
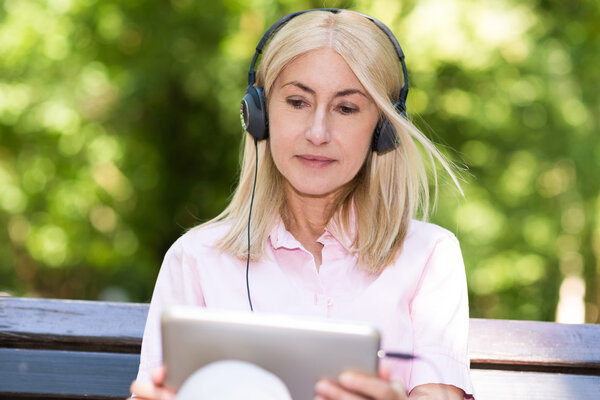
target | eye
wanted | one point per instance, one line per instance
(296, 103)
(347, 110)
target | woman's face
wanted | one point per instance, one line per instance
(321, 120)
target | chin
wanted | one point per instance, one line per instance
(315, 190)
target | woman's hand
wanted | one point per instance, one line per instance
(356, 386)
(154, 390)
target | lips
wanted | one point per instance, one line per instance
(315, 161)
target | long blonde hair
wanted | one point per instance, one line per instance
(390, 188)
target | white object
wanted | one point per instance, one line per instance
(233, 380)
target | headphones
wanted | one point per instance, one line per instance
(253, 110)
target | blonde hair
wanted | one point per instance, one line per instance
(390, 188)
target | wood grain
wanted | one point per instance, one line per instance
(530, 344)
(514, 385)
(67, 374)
(72, 325)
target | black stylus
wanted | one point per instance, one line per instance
(403, 356)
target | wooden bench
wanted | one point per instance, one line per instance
(65, 349)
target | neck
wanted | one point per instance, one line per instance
(305, 215)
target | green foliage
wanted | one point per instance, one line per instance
(119, 130)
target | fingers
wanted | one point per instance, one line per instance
(353, 386)
(385, 371)
(370, 386)
(325, 389)
(158, 376)
(146, 390)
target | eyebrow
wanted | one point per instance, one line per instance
(341, 93)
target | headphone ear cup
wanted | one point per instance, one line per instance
(384, 136)
(253, 113)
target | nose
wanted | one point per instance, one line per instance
(317, 131)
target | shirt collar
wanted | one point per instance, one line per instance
(281, 237)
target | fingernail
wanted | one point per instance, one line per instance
(320, 385)
(345, 377)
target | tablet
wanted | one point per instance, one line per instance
(299, 350)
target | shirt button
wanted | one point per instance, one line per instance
(329, 302)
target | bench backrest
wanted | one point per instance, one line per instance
(70, 349)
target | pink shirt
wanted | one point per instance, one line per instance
(418, 303)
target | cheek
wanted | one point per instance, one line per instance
(285, 133)
(280, 151)
(278, 129)
(357, 155)
(358, 146)
(275, 148)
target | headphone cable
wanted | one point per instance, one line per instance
(249, 217)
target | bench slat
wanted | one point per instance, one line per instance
(528, 343)
(511, 385)
(58, 373)
(72, 324)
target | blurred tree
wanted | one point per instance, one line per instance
(504, 83)
(119, 130)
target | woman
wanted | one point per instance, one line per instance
(332, 232)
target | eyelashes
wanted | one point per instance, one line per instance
(347, 110)
(343, 109)
(296, 103)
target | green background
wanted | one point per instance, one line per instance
(119, 130)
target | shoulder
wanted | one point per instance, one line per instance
(192, 252)
(427, 234)
(424, 243)
(200, 239)
(429, 251)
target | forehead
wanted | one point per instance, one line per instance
(322, 69)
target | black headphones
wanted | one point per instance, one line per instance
(253, 110)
